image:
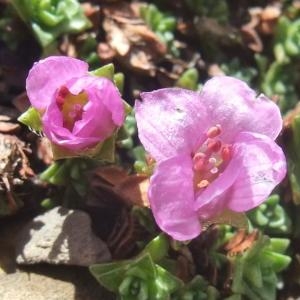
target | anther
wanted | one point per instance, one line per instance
(200, 161)
(60, 101)
(61, 95)
(63, 91)
(213, 131)
(203, 183)
(212, 160)
(214, 146)
(214, 170)
(226, 152)
(199, 155)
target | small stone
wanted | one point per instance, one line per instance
(61, 236)
(51, 283)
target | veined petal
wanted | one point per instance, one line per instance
(171, 121)
(54, 130)
(102, 114)
(262, 168)
(102, 90)
(234, 105)
(214, 198)
(104, 111)
(171, 195)
(48, 75)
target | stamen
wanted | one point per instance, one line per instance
(60, 100)
(199, 155)
(63, 91)
(226, 152)
(214, 170)
(214, 131)
(61, 95)
(214, 145)
(200, 161)
(212, 160)
(203, 183)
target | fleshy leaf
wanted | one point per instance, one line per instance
(238, 220)
(198, 288)
(103, 151)
(31, 118)
(107, 71)
(119, 81)
(279, 244)
(254, 271)
(271, 217)
(49, 19)
(166, 280)
(189, 79)
(56, 173)
(112, 274)
(293, 160)
(158, 247)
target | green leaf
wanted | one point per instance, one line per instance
(104, 151)
(253, 273)
(167, 281)
(48, 203)
(279, 245)
(57, 173)
(32, 118)
(106, 71)
(111, 275)
(119, 81)
(51, 18)
(158, 247)
(278, 261)
(189, 79)
(198, 288)
(107, 151)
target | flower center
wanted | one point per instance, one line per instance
(210, 159)
(71, 106)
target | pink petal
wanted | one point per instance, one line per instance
(49, 74)
(56, 133)
(234, 105)
(105, 110)
(171, 121)
(213, 199)
(171, 196)
(101, 116)
(263, 167)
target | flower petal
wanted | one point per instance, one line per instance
(56, 133)
(102, 114)
(213, 200)
(233, 104)
(173, 121)
(170, 121)
(263, 167)
(105, 110)
(171, 196)
(49, 74)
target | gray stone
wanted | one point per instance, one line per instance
(52, 283)
(61, 236)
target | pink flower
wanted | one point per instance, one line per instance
(214, 150)
(79, 110)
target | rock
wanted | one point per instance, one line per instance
(52, 283)
(61, 236)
